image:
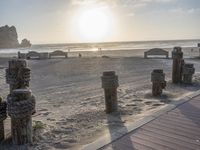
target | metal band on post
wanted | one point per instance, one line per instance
(110, 84)
(158, 82)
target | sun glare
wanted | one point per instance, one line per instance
(94, 25)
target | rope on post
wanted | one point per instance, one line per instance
(188, 71)
(21, 105)
(158, 82)
(17, 76)
(20, 101)
(3, 116)
(22, 108)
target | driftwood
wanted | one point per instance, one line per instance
(156, 51)
(110, 84)
(20, 101)
(178, 62)
(158, 82)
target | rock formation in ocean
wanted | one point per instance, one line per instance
(9, 38)
(25, 43)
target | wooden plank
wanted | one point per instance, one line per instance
(175, 143)
(172, 136)
(171, 131)
(122, 145)
(181, 117)
(187, 122)
(178, 124)
(177, 129)
(150, 142)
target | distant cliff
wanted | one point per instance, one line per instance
(9, 38)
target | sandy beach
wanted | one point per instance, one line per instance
(70, 100)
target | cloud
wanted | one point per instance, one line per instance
(185, 11)
(119, 2)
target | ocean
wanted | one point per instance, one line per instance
(92, 49)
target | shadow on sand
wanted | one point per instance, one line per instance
(117, 130)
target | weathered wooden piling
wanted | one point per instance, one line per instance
(158, 82)
(110, 84)
(177, 56)
(188, 71)
(3, 116)
(17, 74)
(20, 101)
(21, 105)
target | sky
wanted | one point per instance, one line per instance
(75, 21)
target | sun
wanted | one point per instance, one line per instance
(94, 25)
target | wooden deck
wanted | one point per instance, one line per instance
(178, 129)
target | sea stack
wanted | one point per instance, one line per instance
(9, 38)
(25, 43)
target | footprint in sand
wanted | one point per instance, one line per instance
(51, 119)
(70, 140)
(43, 109)
(137, 100)
(46, 114)
(148, 102)
(56, 105)
(131, 104)
(62, 145)
(157, 104)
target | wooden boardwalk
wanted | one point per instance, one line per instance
(179, 129)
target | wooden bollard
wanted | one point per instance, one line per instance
(3, 116)
(17, 74)
(177, 56)
(110, 84)
(20, 102)
(188, 71)
(158, 82)
(21, 105)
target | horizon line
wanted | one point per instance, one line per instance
(61, 43)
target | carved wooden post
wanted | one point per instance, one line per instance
(3, 116)
(158, 82)
(21, 104)
(177, 56)
(188, 71)
(110, 84)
